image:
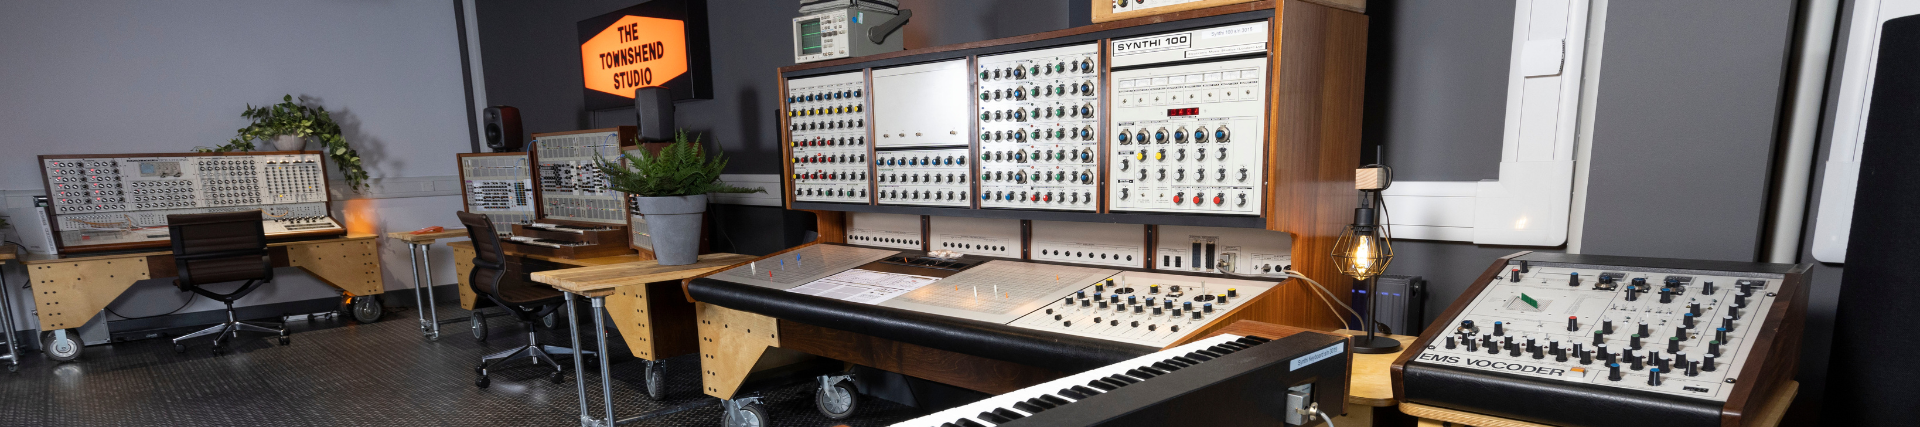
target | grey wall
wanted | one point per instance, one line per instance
(129, 76)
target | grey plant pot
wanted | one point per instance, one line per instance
(674, 223)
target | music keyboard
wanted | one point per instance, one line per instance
(1065, 392)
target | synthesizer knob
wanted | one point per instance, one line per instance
(1208, 307)
(1232, 292)
(1726, 322)
(1513, 350)
(1720, 335)
(1450, 344)
(1136, 324)
(1635, 362)
(1713, 347)
(1472, 346)
(1180, 197)
(1634, 342)
(1573, 323)
(1613, 372)
(1115, 322)
(1739, 301)
(1586, 358)
(1693, 369)
(1686, 320)
(1605, 355)
(1514, 276)
(1706, 362)
(1643, 330)
(1693, 309)
(1499, 328)
(1068, 323)
(1666, 295)
(1157, 312)
(1573, 279)
(1188, 306)
(1706, 288)
(1653, 377)
(1537, 354)
(1606, 327)
(1103, 304)
(1673, 344)
(1679, 359)
(1466, 327)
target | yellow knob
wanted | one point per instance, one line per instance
(1161, 155)
(1140, 155)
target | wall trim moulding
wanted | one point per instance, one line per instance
(1530, 205)
(1850, 126)
(398, 188)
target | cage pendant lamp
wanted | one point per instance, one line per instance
(1363, 249)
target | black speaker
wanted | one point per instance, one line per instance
(503, 129)
(653, 107)
(1879, 292)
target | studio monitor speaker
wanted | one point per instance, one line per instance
(654, 107)
(503, 129)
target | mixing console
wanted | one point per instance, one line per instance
(1038, 111)
(106, 200)
(1189, 138)
(500, 186)
(827, 128)
(1151, 309)
(1678, 332)
(927, 177)
(571, 188)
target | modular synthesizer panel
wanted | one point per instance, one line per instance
(1189, 137)
(827, 135)
(123, 200)
(1038, 115)
(571, 185)
(499, 186)
(925, 177)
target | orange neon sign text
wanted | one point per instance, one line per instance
(632, 53)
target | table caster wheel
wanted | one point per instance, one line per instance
(557, 377)
(481, 382)
(656, 383)
(286, 341)
(837, 401)
(61, 347)
(478, 323)
(179, 348)
(364, 309)
(749, 415)
(13, 368)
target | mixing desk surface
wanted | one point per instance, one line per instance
(1148, 309)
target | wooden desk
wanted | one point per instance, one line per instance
(420, 246)
(463, 265)
(68, 290)
(647, 306)
(1430, 416)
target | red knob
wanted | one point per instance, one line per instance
(1179, 198)
(1035, 197)
(1049, 197)
(1197, 198)
(1217, 200)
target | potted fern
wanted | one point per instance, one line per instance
(288, 126)
(669, 189)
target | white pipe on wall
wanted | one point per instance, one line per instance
(1791, 185)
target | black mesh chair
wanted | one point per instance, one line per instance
(217, 248)
(512, 290)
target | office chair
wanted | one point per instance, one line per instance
(217, 248)
(511, 289)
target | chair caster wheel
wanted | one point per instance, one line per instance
(179, 348)
(480, 370)
(558, 377)
(13, 368)
(285, 341)
(481, 382)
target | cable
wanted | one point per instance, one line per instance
(1324, 417)
(1326, 299)
(183, 305)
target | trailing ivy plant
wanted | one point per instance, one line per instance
(288, 118)
(680, 169)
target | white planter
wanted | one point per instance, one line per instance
(289, 143)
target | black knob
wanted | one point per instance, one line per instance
(1634, 343)
(1680, 359)
(1472, 346)
(1693, 369)
(1673, 344)
(1693, 309)
(1606, 327)
(1706, 288)
(1537, 354)
(1706, 362)
(1499, 328)
(1653, 377)
(1573, 323)
(1636, 362)
(1613, 371)
(1604, 354)
(1450, 343)
(1739, 301)
(1643, 330)
(1514, 276)
(1586, 358)
(1713, 347)
(1686, 320)
(1720, 335)
(1196, 315)
(1666, 295)
(1513, 350)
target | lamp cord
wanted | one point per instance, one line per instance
(1325, 298)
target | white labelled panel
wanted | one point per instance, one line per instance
(1037, 118)
(936, 177)
(1555, 299)
(1226, 40)
(828, 133)
(499, 187)
(571, 188)
(975, 236)
(1188, 138)
(922, 105)
(884, 230)
(1151, 309)
(1240, 251)
(1119, 245)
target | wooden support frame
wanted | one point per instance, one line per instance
(70, 289)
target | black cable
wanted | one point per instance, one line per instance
(183, 306)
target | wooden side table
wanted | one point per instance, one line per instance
(1370, 386)
(419, 247)
(1430, 416)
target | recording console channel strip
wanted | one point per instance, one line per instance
(924, 177)
(499, 186)
(827, 133)
(122, 201)
(571, 187)
(1189, 137)
(1593, 340)
(1151, 309)
(1038, 114)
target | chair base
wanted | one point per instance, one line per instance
(534, 352)
(229, 329)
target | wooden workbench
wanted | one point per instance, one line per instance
(463, 264)
(645, 299)
(69, 289)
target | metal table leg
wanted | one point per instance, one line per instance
(579, 381)
(413, 258)
(433, 307)
(600, 339)
(6, 316)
